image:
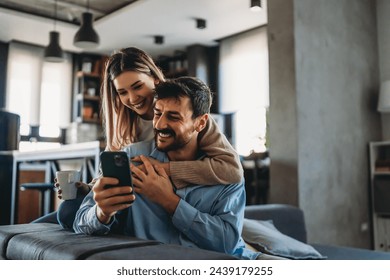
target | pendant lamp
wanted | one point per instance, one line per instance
(53, 52)
(86, 37)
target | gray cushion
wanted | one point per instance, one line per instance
(264, 237)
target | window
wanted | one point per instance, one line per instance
(39, 91)
(244, 88)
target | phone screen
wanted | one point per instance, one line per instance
(116, 165)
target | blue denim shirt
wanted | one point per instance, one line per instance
(207, 217)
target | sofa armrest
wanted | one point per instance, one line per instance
(287, 219)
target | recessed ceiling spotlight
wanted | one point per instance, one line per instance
(159, 40)
(256, 5)
(200, 23)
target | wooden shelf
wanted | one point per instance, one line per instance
(382, 173)
(89, 120)
(379, 158)
(81, 74)
(87, 81)
(82, 96)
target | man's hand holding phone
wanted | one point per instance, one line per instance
(111, 200)
(113, 192)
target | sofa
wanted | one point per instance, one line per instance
(290, 221)
(272, 228)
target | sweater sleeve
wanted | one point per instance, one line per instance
(220, 166)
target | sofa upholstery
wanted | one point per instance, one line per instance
(48, 241)
(45, 240)
(290, 221)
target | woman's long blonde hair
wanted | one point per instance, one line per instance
(119, 121)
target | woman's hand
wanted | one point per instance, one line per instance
(153, 182)
(154, 162)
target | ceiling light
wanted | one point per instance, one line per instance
(53, 52)
(159, 40)
(200, 23)
(86, 37)
(255, 5)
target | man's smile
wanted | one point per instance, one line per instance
(165, 133)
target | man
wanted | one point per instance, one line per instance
(208, 217)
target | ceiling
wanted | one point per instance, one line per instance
(122, 23)
(65, 10)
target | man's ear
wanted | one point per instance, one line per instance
(201, 123)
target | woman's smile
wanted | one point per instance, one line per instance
(138, 105)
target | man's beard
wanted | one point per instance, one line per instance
(175, 145)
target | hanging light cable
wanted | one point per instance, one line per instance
(53, 52)
(86, 37)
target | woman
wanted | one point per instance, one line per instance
(127, 94)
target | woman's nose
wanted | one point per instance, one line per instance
(132, 97)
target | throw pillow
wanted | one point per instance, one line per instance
(266, 238)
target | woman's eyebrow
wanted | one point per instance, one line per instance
(133, 84)
(136, 82)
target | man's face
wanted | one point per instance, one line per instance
(173, 123)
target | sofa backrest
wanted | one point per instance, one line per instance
(287, 219)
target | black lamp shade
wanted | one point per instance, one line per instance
(53, 52)
(86, 37)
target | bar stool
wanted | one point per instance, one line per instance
(45, 190)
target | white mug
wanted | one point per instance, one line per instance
(67, 180)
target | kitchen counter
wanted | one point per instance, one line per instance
(10, 162)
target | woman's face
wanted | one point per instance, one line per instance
(136, 91)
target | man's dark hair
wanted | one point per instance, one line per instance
(198, 92)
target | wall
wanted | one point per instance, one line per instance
(283, 111)
(324, 74)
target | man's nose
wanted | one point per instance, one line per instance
(161, 123)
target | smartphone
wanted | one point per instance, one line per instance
(116, 165)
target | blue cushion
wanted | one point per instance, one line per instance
(264, 237)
